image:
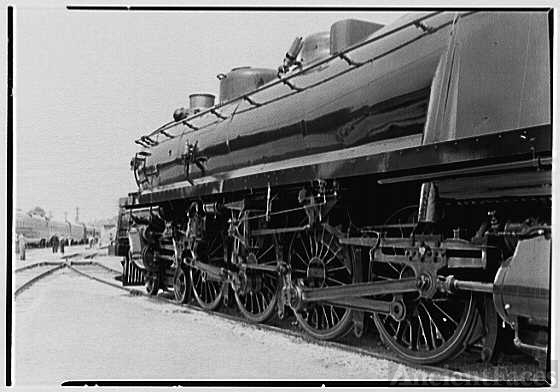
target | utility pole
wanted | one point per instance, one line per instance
(77, 214)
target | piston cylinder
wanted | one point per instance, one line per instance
(521, 286)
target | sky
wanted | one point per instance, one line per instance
(88, 83)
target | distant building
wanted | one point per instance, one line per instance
(108, 233)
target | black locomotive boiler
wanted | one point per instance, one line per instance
(398, 173)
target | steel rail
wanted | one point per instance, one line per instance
(67, 260)
(118, 286)
(455, 374)
(105, 267)
(36, 278)
(283, 80)
(38, 264)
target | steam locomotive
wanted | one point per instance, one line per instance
(399, 173)
(39, 231)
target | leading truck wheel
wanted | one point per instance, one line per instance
(319, 260)
(181, 287)
(152, 283)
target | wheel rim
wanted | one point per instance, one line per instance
(207, 292)
(180, 286)
(152, 285)
(403, 221)
(258, 301)
(318, 259)
(433, 329)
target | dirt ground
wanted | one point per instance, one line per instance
(68, 327)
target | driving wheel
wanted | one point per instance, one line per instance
(319, 260)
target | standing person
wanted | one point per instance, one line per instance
(54, 243)
(62, 243)
(21, 246)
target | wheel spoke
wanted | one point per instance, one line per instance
(214, 289)
(409, 324)
(399, 331)
(267, 288)
(445, 314)
(423, 332)
(268, 250)
(204, 291)
(430, 325)
(316, 312)
(305, 249)
(328, 247)
(310, 237)
(259, 306)
(335, 281)
(337, 269)
(433, 326)
(335, 254)
(305, 262)
(325, 314)
(255, 302)
(332, 315)
(394, 268)
(320, 251)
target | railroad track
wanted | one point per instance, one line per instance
(442, 372)
(30, 274)
(91, 269)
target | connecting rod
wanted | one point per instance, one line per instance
(360, 290)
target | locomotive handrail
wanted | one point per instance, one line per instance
(285, 80)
